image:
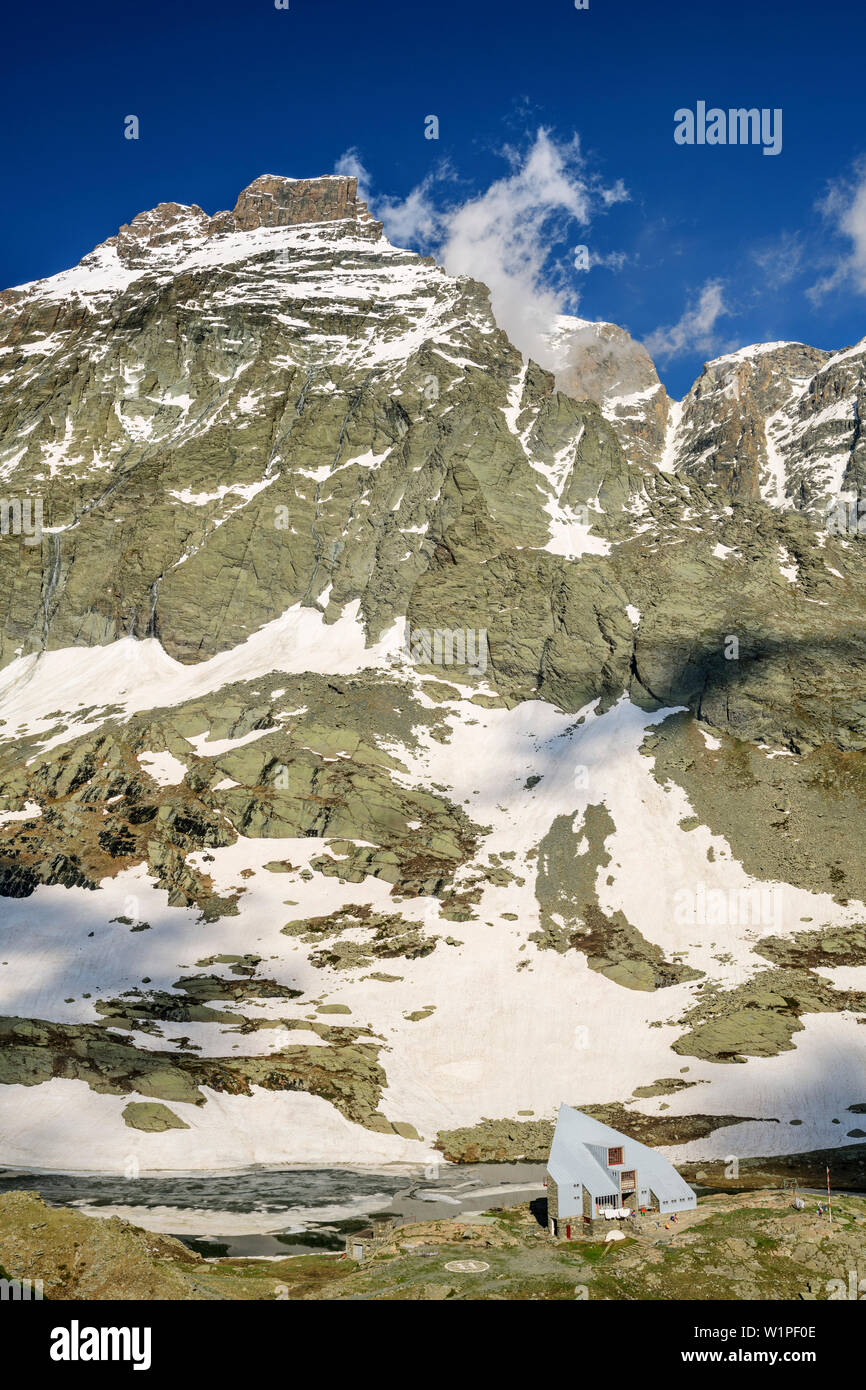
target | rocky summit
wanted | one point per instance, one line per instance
(399, 737)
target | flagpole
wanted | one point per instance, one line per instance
(829, 1206)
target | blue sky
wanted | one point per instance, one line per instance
(695, 249)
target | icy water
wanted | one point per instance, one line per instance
(287, 1211)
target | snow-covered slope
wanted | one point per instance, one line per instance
(376, 769)
(487, 1023)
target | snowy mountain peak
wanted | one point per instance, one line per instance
(164, 225)
(269, 201)
(775, 421)
(272, 201)
(601, 362)
(371, 758)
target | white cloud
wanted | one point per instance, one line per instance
(781, 260)
(415, 220)
(844, 208)
(505, 236)
(695, 330)
(350, 164)
(612, 260)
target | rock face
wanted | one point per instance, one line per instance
(774, 422)
(292, 412)
(279, 202)
(387, 743)
(745, 425)
(602, 363)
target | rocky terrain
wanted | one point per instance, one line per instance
(738, 1247)
(602, 363)
(399, 737)
(774, 422)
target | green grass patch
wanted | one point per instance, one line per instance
(588, 1251)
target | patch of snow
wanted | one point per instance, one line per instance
(31, 811)
(140, 675)
(163, 767)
